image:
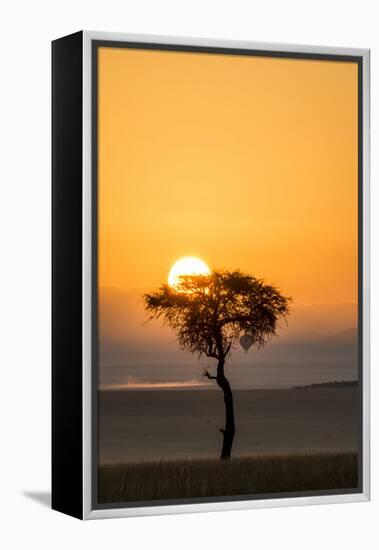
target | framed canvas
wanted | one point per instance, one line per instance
(210, 275)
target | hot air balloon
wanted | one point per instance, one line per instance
(246, 342)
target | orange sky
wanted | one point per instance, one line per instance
(245, 162)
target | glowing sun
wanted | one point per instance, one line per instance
(186, 266)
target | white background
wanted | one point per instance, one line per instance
(27, 28)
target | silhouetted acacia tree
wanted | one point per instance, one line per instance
(209, 313)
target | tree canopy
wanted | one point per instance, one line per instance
(209, 312)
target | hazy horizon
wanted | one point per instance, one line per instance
(318, 344)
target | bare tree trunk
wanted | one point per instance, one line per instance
(229, 430)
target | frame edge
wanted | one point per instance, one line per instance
(364, 496)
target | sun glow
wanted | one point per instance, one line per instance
(186, 266)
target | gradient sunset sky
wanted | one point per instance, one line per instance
(244, 162)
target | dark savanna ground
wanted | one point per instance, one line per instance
(165, 444)
(215, 478)
(170, 424)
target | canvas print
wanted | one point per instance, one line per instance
(228, 290)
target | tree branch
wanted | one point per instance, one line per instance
(236, 319)
(207, 375)
(227, 349)
(211, 354)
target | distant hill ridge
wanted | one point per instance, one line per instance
(335, 384)
(347, 336)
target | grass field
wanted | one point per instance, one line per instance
(211, 478)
